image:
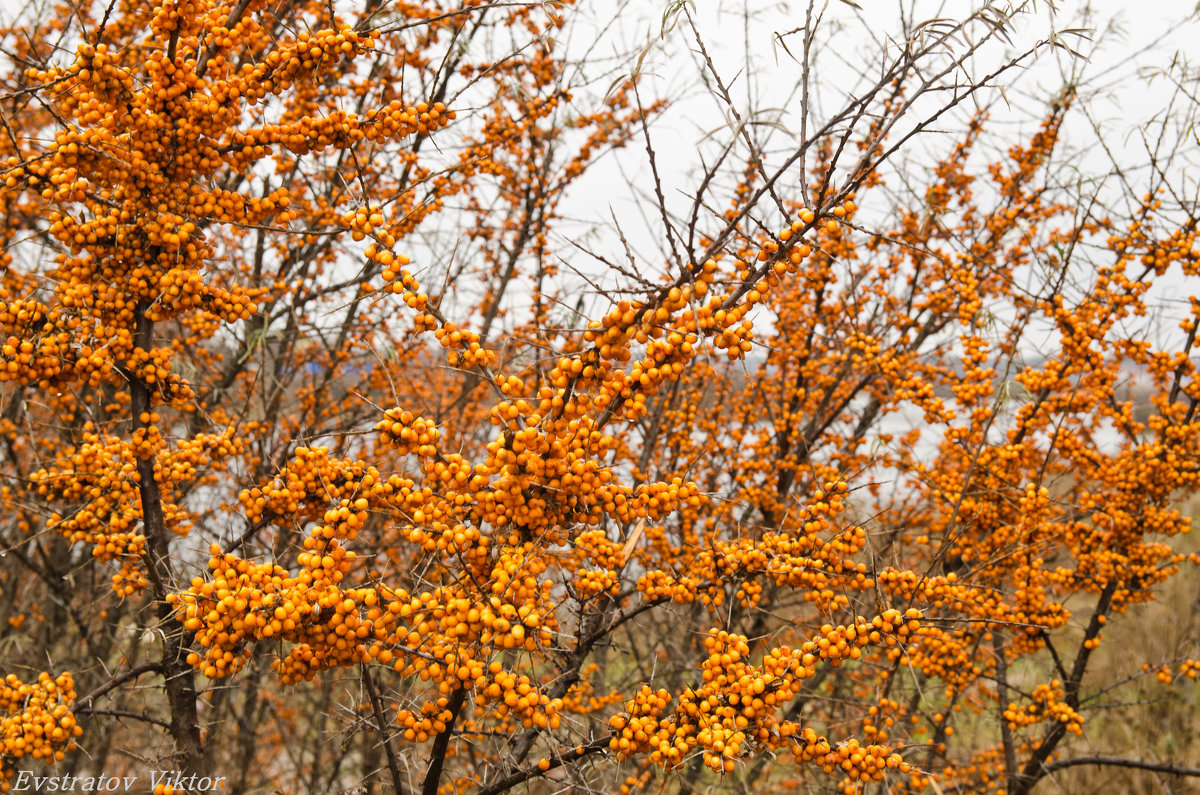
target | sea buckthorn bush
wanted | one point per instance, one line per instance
(343, 450)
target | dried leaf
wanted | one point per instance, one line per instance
(635, 535)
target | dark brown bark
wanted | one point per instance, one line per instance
(385, 737)
(441, 744)
(178, 676)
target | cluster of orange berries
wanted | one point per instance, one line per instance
(367, 221)
(342, 129)
(400, 281)
(146, 441)
(669, 346)
(176, 17)
(890, 628)
(130, 579)
(153, 368)
(464, 347)
(976, 381)
(665, 360)
(594, 547)
(437, 635)
(36, 361)
(519, 613)
(591, 582)
(943, 590)
(725, 315)
(188, 459)
(168, 231)
(43, 350)
(107, 226)
(309, 54)
(396, 120)
(734, 712)
(36, 721)
(636, 320)
(408, 433)
(805, 562)
(222, 613)
(246, 602)
(945, 654)
(225, 205)
(38, 349)
(96, 68)
(407, 287)
(306, 484)
(99, 478)
(431, 720)
(582, 698)
(332, 626)
(1048, 705)
(859, 764)
(1159, 254)
(1162, 674)
(544, 476)
(1188, 669)
(181, 290)
(517, 695)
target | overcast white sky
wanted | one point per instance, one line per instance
(1128, 48)
(1130, 44)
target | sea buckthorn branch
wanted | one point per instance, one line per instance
(600, 745)
(1117, 761)
(382, 727)
(415, 436)
(323, 634)
(568, 670)
(533, 213)
(130, 675)
(1043, 398)
(737, 704)
(1033, 769)
(1090, 641)
(99, 478)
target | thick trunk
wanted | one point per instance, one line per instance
(179, 678)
